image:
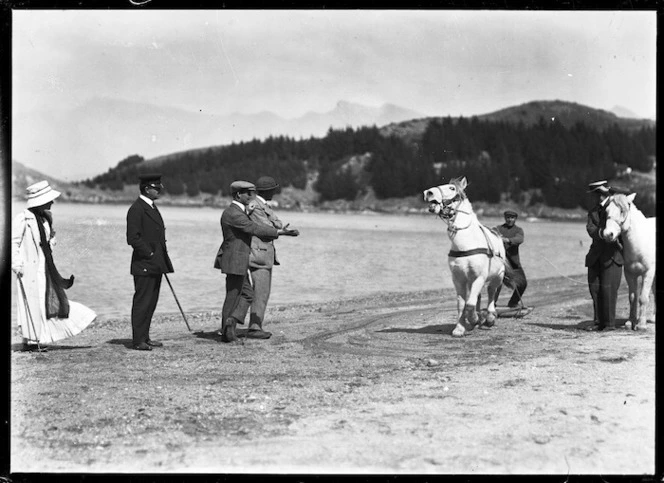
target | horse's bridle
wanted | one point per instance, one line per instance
(449, 211)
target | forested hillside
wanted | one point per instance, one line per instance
(547, 161)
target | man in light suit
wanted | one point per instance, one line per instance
(146, 234)
(237, 229)
(263, 255)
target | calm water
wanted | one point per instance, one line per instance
(335, 256)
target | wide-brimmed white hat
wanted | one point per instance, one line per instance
(40, 193)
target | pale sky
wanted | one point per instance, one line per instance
(439, 63)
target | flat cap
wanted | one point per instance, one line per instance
(146, 178)
(599, 186)
(242, 185)
(510, 213)
(266, 183)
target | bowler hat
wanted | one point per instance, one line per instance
(266, 183)
(510, 213)
(599, 186)
(40, 193)
(242, 185)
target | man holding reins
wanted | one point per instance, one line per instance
(512, 236)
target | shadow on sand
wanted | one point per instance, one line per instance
(584, 326)
(429, 329)
(50, 348)
(128, 343)
(213, 335)
(216, 335)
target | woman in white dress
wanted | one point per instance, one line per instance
(45, 314)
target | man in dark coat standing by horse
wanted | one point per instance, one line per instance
(604, 261)
(146, 234)
(237, 229)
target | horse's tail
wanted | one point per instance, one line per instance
(512, 277)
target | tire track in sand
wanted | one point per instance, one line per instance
(400, 332)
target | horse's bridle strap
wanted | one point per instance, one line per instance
(467, 253)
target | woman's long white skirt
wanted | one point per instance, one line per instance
(50, 330)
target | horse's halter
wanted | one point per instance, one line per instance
(624, 221)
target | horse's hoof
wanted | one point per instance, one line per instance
(490, 319)
(458, 333)
(640, 327)
(628, 325)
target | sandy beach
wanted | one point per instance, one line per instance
(371, 385)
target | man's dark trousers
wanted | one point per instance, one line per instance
(239, 295)
(515, 299)
(520, 288)
(603, 282)
(146, 295)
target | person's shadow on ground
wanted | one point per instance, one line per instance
(212, 335)
(49, 348)
(216, 334)
(429, 329)
(128, 343)
(584, 325)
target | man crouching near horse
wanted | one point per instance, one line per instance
(477, 256)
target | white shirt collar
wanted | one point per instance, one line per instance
(604, 202)
(146, 199)
(261, 199)
(236, 202)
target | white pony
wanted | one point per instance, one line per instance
(638, 235)
(477, 257)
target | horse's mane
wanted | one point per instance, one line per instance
(621, 202)
(457, 182)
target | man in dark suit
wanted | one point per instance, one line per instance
(146, 234)
(512, 236)
(237, 229)
(604, 261)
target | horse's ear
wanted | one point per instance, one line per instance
(463, 183)
(631, 197)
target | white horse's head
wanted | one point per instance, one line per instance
(617, 216)
(441, 197)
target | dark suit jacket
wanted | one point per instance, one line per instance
(600, 249)
(238, 229)
(146, 234)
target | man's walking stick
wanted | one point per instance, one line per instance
(27, 309)
(178, 302)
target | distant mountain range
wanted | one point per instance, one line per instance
(567, 113)
(86, 141)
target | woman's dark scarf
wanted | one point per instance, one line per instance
(57, 304)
